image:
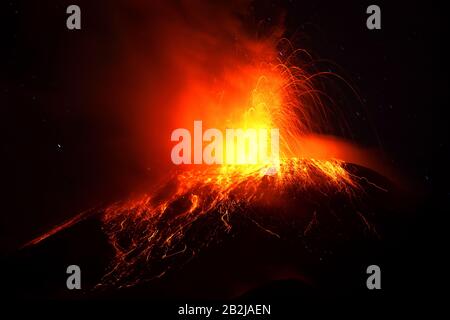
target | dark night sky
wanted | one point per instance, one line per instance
(60, 157)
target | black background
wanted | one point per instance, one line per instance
(48, 73)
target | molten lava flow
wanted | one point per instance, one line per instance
(150, 230)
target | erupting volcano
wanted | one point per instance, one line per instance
(261, 84)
